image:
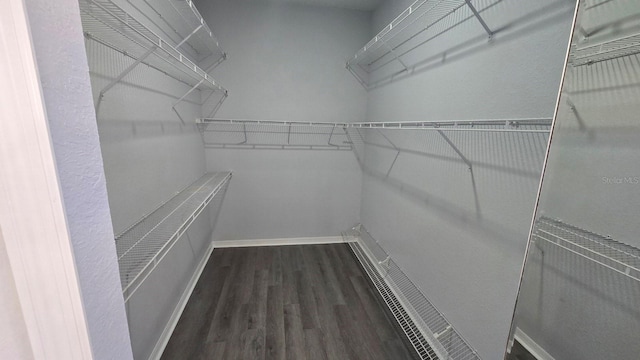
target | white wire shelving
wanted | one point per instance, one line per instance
(616, 256)
(182, 23)
(110, 25)
(421, 22)
(608, 30)
(141, 247)
(430, 333)
(480, 125)
(492, 125)
(302, 135)
(273, 134)
(607, 50)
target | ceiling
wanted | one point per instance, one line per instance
(363, 5)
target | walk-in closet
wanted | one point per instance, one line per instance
(321, 179)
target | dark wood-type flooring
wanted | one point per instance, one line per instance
(284, 302)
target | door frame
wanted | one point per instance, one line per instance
(32, 217)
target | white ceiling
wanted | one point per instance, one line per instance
(363, 5)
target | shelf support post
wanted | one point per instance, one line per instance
(470, 165)
(122, 75)
(480, 19)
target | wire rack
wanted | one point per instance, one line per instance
(608, 29)
(608, 50)
(602, 250)
(141, 247)
(480, 125)
(182, 23)
(432, 336)
(110, 25)
(421, 22)
(280, 135)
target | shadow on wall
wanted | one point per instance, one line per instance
(483, 179)
(453, 37)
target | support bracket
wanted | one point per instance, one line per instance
(480, 19)
(193, 88)
(470, 165)
(122, 75)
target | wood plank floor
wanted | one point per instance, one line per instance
(284, 302)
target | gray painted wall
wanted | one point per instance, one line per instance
(287, 62)
(149, 155)
(423, 213)
(62, 64)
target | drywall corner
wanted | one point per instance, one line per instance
(59, 45)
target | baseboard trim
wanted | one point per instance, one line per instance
(278, 242)
(536, 350)
(158, 349)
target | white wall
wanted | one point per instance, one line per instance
(287, 62)
(424, 213)
(62, 65)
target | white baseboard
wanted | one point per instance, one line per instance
(532, 347)
(182, 303)
(278, 242)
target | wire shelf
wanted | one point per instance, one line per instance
(614, 255)
(276, 135)
(493, 125)
(608, 29)
(431, 334)
(607, 50)
(485, 125)
(418, 24)
(110, 25)
(141, 247)
(182, 23)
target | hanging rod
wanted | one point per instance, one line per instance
(499, 125)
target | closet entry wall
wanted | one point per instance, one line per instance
(454, 211)
(147, 67)
(56, 32)
(286, 62)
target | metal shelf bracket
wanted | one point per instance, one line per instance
(470, 165)
(480, 19)
(124, 73)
